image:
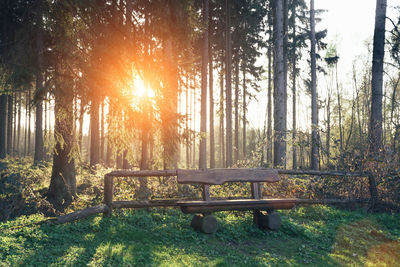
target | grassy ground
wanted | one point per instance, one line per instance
(314, 236)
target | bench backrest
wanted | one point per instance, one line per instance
(221, 176)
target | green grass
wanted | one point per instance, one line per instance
(314, 236)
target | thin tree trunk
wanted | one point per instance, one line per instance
(18, 146)
(211, 92)
(9, 124)
(221, 119)
(29, 121)
(314, 97)
(3, 125)
(269, 107)
(244, 146)
(294, 91)
(15, 125)
(236, 144)
(204, 66)
(94, 131)
(187, 139)
(228, 78)
(101, 154)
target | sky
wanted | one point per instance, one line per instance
(350, 24)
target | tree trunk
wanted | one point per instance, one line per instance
(236, 143)
(29, 122)
(9, 124)
(38, 156)
(314, 107)
(375, 133)
(228, 81)
(18, 146)
(294, 91)
(94, 131)
(211, 91)
(279, 89)
(269, 107)
(221, 119)
(63, 180)
(3, 125)
(244, 146)
(102, 132)
(14, 145)
(204, 66)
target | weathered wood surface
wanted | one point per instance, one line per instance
(238, 204)
(142, 173)
(323, 173)
(144, 203)
(221, 176)
(270, 221)
(207, 224)
(77, 215)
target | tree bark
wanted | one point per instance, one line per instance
(39, 154)
(244, 146)
(228, 81)
(375, 133)
(211, 90)
(279, 89)
(294, 91)
(236, 143)
(63, 180)
(269, 96)
(221, 119)
(204, 66)
(9, 123)
(314, 107)
(3, 125)
(94, 131)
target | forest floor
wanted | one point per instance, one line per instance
(315, 236)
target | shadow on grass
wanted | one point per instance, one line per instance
(309, 236)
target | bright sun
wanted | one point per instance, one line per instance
(140, 89)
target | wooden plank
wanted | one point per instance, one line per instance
(77, 215)
(142, 173)
(256, 190)
(322, 173)
(240, 204)
(144, 203)
(221, 176)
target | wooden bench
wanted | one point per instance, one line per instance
(264, 215)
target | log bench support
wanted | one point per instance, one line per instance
(203, 221)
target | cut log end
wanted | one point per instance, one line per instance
(207, 224)
(271, 221)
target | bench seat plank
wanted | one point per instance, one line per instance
(221, 176)
(235, 204)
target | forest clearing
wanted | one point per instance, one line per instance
(199, 133)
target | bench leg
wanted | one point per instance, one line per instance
(205, 223)
(270, 221)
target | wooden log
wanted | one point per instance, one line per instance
(270, 221)
(221, 176)
(108, 193)
(77, 215)
(207, 224)
(144, 204)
